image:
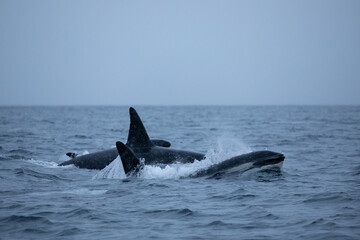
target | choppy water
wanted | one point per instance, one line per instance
(315, 195)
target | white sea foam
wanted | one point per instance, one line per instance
(225, 149)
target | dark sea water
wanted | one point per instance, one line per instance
(316, 195)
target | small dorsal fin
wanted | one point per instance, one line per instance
(138, 137)
(130, 162)
(71, 155)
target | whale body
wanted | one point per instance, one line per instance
(153, 152)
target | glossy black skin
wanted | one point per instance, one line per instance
(101, 159)
(259, 159)
(97, 160)
(161, 155)
(153, 155)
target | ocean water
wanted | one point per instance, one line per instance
(316, 195)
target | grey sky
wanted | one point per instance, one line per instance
(179, 52)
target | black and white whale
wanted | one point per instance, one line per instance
(99, 160)
(153, 151)
(139, 146)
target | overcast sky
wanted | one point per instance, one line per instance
(179, 52)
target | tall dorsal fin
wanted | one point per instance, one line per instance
(130, 162)
(138, 137)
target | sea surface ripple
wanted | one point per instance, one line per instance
(316, 195)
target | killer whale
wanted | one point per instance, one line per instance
(153, 151)
(139, 146)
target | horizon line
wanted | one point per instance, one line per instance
(182, 105)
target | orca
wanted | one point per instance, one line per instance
(139, 146)
(101, 159)
(153, 151)
(260, 160)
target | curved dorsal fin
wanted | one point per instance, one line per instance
(130, 162)
(138, 137)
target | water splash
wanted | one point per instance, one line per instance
(114, 170)
(227, 147)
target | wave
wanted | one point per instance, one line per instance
(80, 191)
(36, 174)
(85, 191)
(16, 219)
(176, 212)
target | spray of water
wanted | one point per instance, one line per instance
(114, 170)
